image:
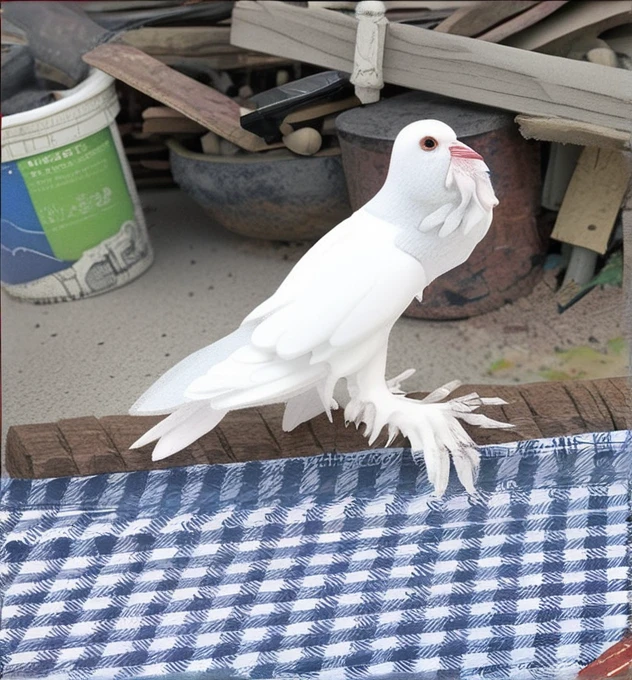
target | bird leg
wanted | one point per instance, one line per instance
(431, 425)
(395, 384)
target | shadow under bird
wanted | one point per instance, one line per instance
(331, 318)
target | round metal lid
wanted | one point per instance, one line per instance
(384, 120)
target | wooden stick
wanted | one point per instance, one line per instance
(208, 107)
(473, 20)
(522, 21)
(557, 32)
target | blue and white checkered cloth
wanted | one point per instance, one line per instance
(337, 567)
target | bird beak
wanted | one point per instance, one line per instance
(460, 150)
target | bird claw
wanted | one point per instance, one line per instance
(441, 392)
(433, 428)
(394, 384)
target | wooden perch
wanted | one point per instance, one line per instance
(454, 66)
(86, 446)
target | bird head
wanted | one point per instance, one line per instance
(439, 180)
(424, 155)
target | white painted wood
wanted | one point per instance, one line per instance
(369, 51)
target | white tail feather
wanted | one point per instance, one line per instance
(301, 409)
(186, 432)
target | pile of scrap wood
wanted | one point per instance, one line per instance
(562, 67)
(193, 40)
(537, 80)
(185, 80)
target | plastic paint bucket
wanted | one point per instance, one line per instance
(72, 224)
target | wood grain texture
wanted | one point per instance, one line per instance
(204, 105)
(455, 66)
(84, 446)
(572, 132)
(579, 19)
(593, 198)
(531, 16)
(190, 40)
(471, 21)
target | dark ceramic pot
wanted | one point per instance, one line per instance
(273, 195)
(507, 263)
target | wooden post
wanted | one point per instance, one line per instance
(369, 51)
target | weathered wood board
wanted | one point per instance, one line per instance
(519, 23)
(473, 20)
(450, 65)
(206, 106)
(85, 446)
(566, 131)
(582, 19)
(593, 198)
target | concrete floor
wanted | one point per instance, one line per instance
(96, 356)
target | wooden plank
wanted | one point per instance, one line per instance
(299, 442)
(92, 449)
(516, 24)
(471, 21)
(246, 437)
(537, 410)
(224, 62)
(626, 223)
(190, 40)
(592, 200)
(200, 103)
(616, 396)
(124, 431)
(454, 66)
(516, 411)
(43, 450)
(553, 409)
(171, 126)
(394, 4)
(590, 405)
(583, 19)
(572, 132)
(211, 450)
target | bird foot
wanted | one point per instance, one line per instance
(395, 384)
(433, 428)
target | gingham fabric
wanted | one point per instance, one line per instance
(334, 567)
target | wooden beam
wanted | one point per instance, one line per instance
(582, 19)
(188, 40)
(522, 21)
(572, 132)
(88, 446)
(204, 105)
(473, 20)
(454, 66)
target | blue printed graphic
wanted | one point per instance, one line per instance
(25, 252)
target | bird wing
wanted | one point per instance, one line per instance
(168, 392)
(357, 286)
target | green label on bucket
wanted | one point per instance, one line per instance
(79, 193)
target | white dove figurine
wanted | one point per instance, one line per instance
(331, 318)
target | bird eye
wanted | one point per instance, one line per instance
(428, 143)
